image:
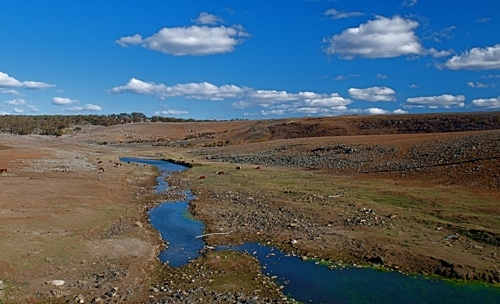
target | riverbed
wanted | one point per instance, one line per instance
(307, 280)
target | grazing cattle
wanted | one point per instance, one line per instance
(102, 169)
(258, 167)
(99, 162)
(238, 167)
(3, 171)
(220, 172)
(202, 177)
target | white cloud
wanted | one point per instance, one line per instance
(193, 40)
(381, 76)
(490, 103)
(15, 102)
(446, 33)
(373, 94)
(9, 91)
(483, 20)
(282, 102)
(208, 19)
(476, 59)
(32, 108)
(490, 76)
(60, 101)
(413, 86)
(380, 38)
(18, 110)
(171, 112)
(433, 102)
(129, 40)
(399, 111)
(437, 54)
(480, 85)
(202, 90)
(4, 113)
(7, 81)
(375, 111)
(333, 13)
(410, 2)
(344, 77)
(88, 107)
(274, 101)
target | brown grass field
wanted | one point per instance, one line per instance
(325, 188)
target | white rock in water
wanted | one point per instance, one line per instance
(56, 282)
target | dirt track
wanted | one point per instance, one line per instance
(424, 203)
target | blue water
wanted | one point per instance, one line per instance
(307, 282)
(172, 220)
(304, 280)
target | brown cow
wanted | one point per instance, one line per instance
(3, 171)
(220, 172)
(258, 167)
(238, 167)
(202, 177)
(102, 169)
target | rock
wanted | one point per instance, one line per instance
(55, 282)
(376, 260)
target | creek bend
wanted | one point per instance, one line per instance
(305, 281)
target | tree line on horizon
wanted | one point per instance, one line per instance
(59, 124)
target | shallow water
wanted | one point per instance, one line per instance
(173, 221)
(304, 280)
(307, 282)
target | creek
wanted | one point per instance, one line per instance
(306, 280)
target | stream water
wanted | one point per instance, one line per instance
(306, 281)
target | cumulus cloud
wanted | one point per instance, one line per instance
(433, 102)
(380, 38)
(373, 94)
(208, 19)
(192, 40)
(476, 59)
(15, 102)
(7, 81)
(282, 102)
(375, 111)
(170, 112)
(86, 108)
(202, 90)
(272, 100)
(60, 101)
(437, 54)
(400, 111)
(487, 104)
(410, 2)
(335, 14)
(20, 105)
(480, 85)
(9, 91)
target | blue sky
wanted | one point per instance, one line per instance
(249, 59)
